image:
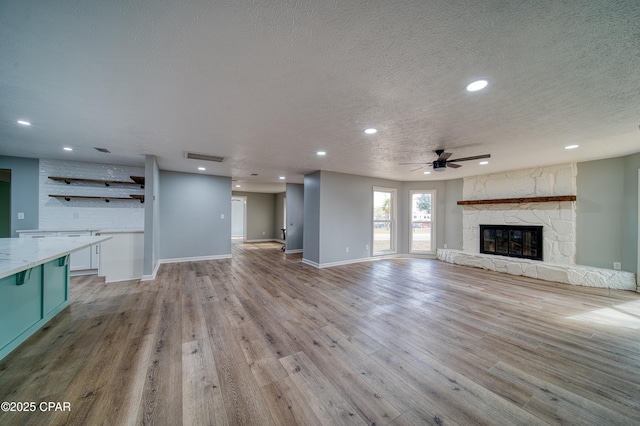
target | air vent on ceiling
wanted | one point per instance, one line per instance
(204, 157)
(103, 150)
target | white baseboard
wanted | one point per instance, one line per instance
(195, 259)
(153, 274)
(264, 240)
(293, 251)
(310, 263)
(347, 262)
(83, 272)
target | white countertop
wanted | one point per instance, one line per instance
(81, 230)
(18, 254)
(119, 231)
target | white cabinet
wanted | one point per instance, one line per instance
(36, 235)
(81, 259)
(86, 260)
(95, 255)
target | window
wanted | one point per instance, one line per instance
(384, 226)
(422, 220)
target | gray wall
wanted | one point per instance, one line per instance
(311, 229)
(25, 189)
(453, 214)
(279, 220)
(260, 211)
(607, 213)
(599, 212)
(190, 212)
(630, 215)
(346, 215)
(295, 216)
(151, 215)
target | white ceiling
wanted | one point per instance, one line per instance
(267, 83)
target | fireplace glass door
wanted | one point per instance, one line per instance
(515, 241)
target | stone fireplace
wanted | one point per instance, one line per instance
(542, 198)
(557, 218)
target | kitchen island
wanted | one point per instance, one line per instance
(34, 284)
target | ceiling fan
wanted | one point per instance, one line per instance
(442, 162)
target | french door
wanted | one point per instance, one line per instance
(384, 221)
(422, 221)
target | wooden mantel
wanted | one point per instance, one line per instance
(519, 200)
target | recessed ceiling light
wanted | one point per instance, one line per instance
(66, 148)
(371, 131)
(482, 163)
(282, 178)
(201, 168)
(321, 153)
(24, 123)
(571, 146)
(427, 173)
(237, 186)
(477, 85)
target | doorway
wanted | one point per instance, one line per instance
(5, 203)
(238, 218)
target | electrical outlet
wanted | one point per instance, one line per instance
(20, 215)
(445, 246)
(264, 233)
(617, 266)
(347, 250)
(221, 215)
(366, 247)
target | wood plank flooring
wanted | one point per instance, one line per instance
(262, 339)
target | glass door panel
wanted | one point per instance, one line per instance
(422, 208)
(384, 211)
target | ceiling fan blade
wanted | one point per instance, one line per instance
(453, 166)
(475, 157)
(405, 164)
(421, 167)
(442, 156)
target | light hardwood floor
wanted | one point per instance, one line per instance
(262, 339)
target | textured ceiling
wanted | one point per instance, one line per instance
(267, 83)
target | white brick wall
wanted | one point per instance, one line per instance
(79, 214)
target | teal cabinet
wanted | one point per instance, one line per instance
(56, 285)
(20, 306)
(29, 299)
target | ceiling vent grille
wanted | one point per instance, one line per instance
(204, 157)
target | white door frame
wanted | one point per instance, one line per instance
(244, 215)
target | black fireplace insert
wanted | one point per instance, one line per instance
(512, 240)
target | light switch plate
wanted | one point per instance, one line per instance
(20, 215)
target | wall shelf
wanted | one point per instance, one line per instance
(137, 180)
(97, 197)
(519, 200)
